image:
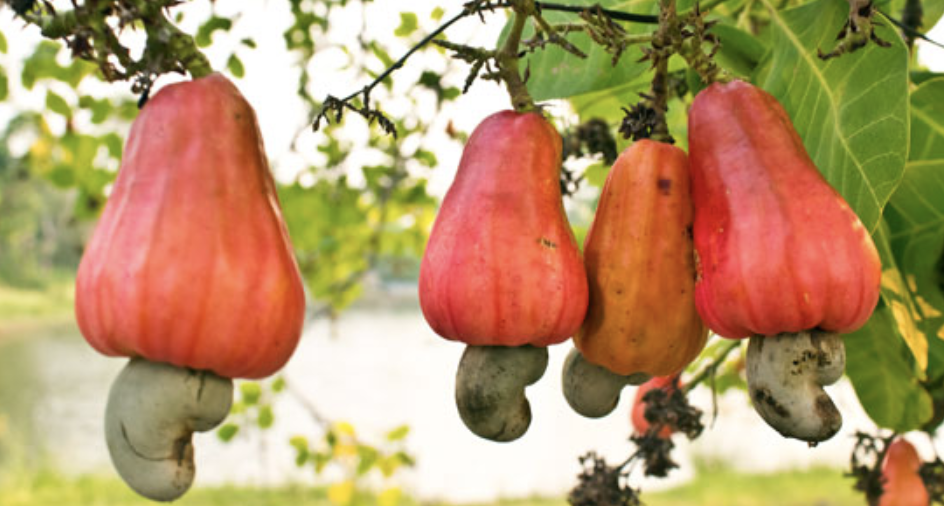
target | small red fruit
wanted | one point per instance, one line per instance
(669, 384)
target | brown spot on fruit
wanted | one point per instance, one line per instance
(665, 186)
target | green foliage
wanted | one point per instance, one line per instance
(852, 112)
(558, 74)
(337, 447)
(883, 375)
(408, 24)
(901, 358)
(741, 53)
(43, 64)
(4, 84)
(204, 35)
(343, 450)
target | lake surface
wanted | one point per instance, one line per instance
(377, 368)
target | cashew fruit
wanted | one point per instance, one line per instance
(785, 379)
(191, 263)
(502, 267)
(902, 484)
(638, 414)
(779, 250)
(490, 387)
(153, 409)
(638, 254)
(592, 390)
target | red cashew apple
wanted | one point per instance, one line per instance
(638, 415)
(502, 271)
(190, 272)
(780, 254)
(902, 484)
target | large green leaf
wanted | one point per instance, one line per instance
(883, 375)
(851, 111)
(912, 309)
(927, 121)
(916, 215)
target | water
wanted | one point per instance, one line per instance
(376, 368)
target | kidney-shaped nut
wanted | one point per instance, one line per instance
(591, 390)
(490, 387)
(786, 374)
(153, 410)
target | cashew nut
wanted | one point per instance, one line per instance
(786, 374)
(490, 387)
(591, 390)
(153, 410)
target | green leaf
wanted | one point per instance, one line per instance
(927, 121)
(398, 433)
(437, 14)
(298, 442)
(204, 36)
(596, 174)
(915, 218)
(740, 51)
(408, 24)
(367, 457)
(900, 304)
(4, 84)
(235, 66)
(266, 417)
(381, 54)
(878, 365)
(57, 104)
(100, 109)
(42, 64)
(427, 158)
(851, 111)
(3, 43)
(278, 385)
(227, 432)
(251, 392)
(248, 42)
(302, 451)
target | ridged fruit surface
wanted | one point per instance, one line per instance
(191, 263)
(502, 266)
(638, 416)
(903, 485)
(641, 269)
(779, 249)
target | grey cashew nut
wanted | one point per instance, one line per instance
(153, 410)
(490, 387)
(591, 390)
(786, 375)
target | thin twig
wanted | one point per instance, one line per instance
(911, 31)
(710, 369)
(337, 106)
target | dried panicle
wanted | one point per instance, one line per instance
(866, 465)
(655, 452)
(601, 485)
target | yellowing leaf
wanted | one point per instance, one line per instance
(344, 428)
(341, 493)
(390, 497)
(345, 450)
